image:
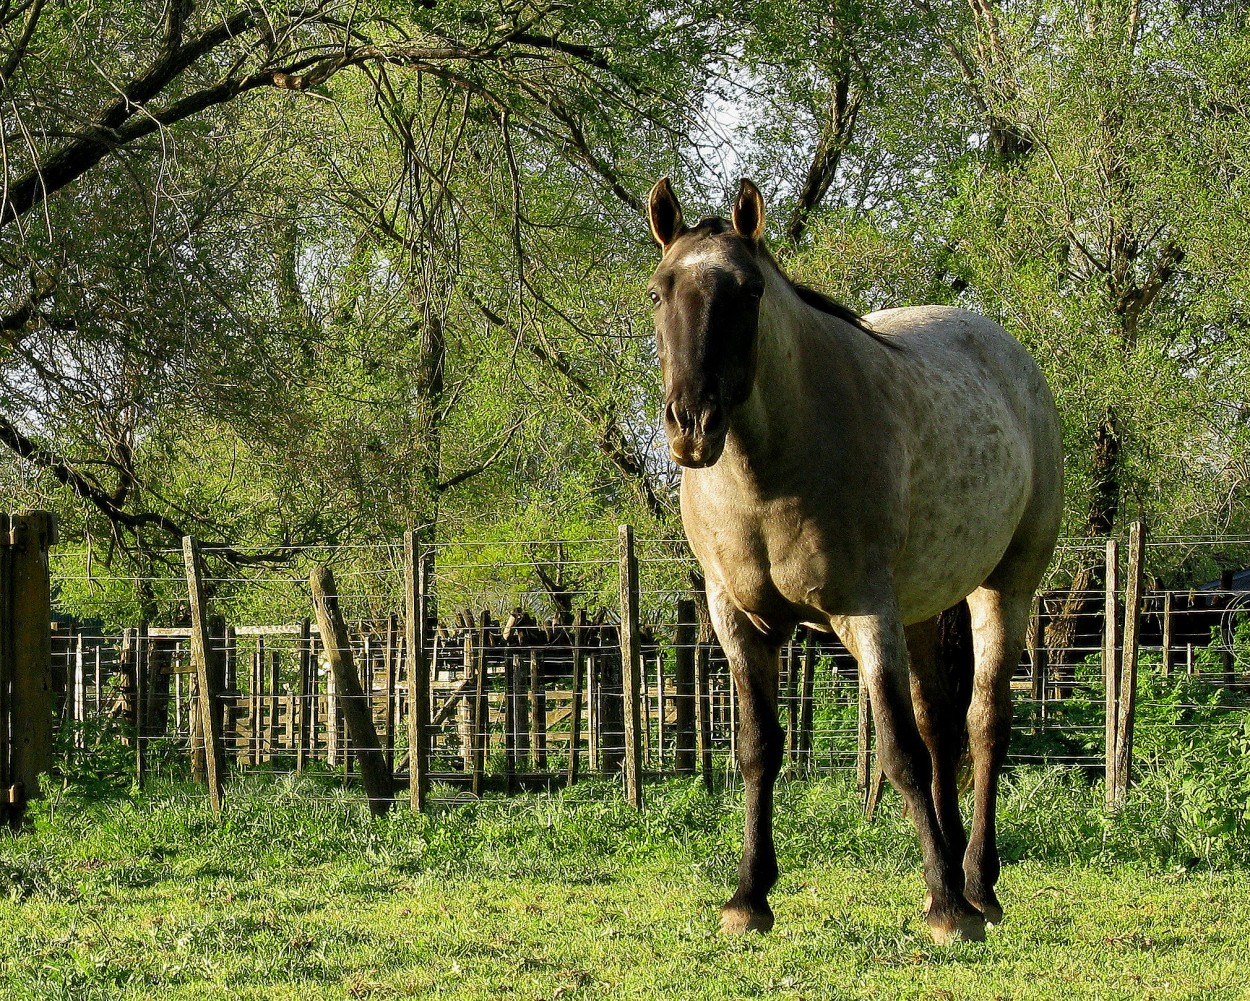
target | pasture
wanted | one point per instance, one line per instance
(297, 893)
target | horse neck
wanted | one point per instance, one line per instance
(770, 424)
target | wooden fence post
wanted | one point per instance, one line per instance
(703, 710)
(538, 711)
(1128, 662)
(806, 705)
(1168, 633)
(210, 721)
(1111, 667)
(303, 737)
(26, 655)
(392, 680)
(683, 688)
(575, 710)
(418, 584)
(7, 653)
(1037, 657)
(479, 727)
(631, 667)
(790, 693)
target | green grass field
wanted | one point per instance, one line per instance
(296, 893)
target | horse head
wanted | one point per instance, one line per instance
(706, 293)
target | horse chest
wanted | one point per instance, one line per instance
(769, 559)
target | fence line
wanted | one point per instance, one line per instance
(532, 690)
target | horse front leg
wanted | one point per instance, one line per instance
(755, 662)
(879, 644)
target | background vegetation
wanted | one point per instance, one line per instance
(292, 274)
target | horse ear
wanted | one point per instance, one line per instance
(748, 214)
(664, 213)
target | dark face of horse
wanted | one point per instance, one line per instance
(706, 293)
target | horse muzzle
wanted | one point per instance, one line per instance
(695, 452)
(695, 438)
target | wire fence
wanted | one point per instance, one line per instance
(526, 683)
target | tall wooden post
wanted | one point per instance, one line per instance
(807, 705)
(139, 699)
(703, 710)
(8, 791)
(575, 711)
(210, 721)
(1128, 662)
(1168, 633)
(538, 711)
(1037, 657)
(25, 657)
(683, 688)
(303, 737)
(392, 677)
(631, 667)
(28, 539)
(80, 687)
(418, 583)
(479, 728)
(1111, 668)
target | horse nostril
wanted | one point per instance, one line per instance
(711, 419)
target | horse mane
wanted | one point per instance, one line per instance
(820, 301)
(831, 307)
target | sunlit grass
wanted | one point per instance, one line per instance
(296, 893)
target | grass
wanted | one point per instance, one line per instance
(296, 893)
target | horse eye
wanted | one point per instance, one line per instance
(654, 296)
(755, 289)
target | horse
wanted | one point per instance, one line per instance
(859, 475)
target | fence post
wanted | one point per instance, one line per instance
(418, 580)
(6, 664)
(1128, 662)
(479, 718)
(210, 722)
(1168, 626)
(26, 655)
(392, 679)
(1111, 668)
(579, 672)
(807, 695)
(790, 689)
(631, 667)
(303, 736)
(1037, 658)
(683, 688)
(538, 711)
(703, 710)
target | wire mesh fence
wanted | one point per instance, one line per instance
(526, 677)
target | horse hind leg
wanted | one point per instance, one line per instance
(999, 619)
(880, 645)
(940, 651)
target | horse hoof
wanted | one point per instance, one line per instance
(738, 919)
(990, 909)
(962, 927)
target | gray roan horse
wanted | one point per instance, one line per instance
(858, 475)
